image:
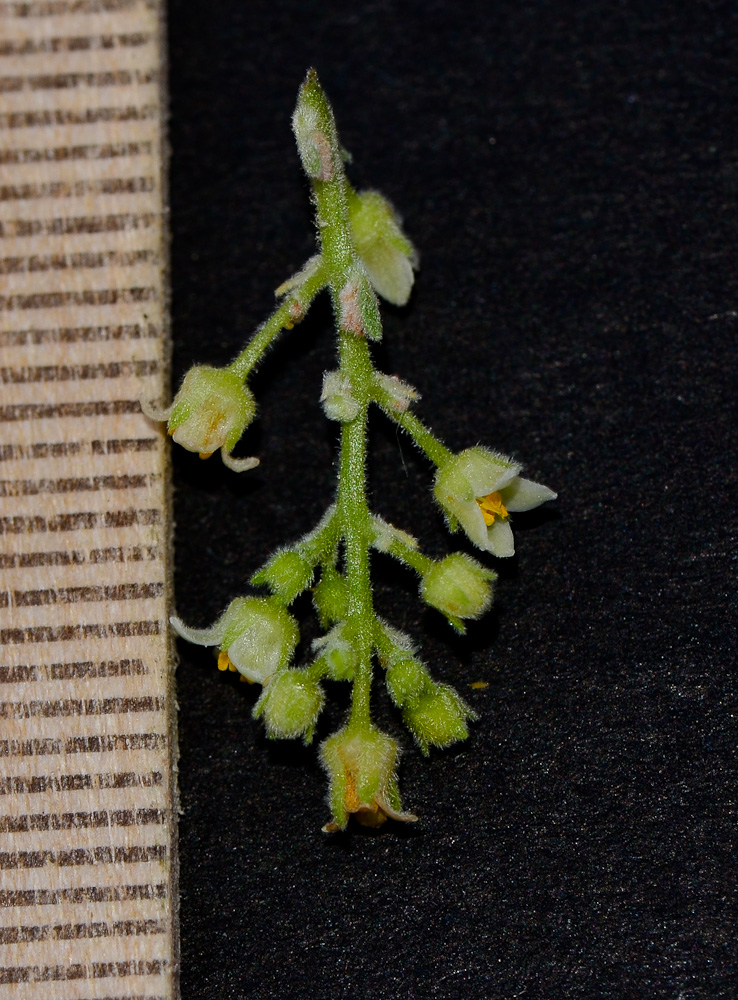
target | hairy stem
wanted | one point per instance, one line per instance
(289, 312)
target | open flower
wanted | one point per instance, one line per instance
(388, 255)
(479, 489)
(211, 411)
(257, 635)
(361, 767)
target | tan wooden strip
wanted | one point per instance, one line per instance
(87, 739)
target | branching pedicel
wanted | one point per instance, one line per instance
(362, 251)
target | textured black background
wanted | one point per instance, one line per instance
(568, 173)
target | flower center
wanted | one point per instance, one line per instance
(491, 507)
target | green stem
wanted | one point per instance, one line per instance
(353, 512)
(424, 438)
(340, 261)
(289, 312)
(321, 542)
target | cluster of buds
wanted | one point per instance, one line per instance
(363, 253)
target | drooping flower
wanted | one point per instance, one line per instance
(361, 765)
(257, 635)
(479, 489)
(210, 411)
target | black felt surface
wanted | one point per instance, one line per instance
(568, 173)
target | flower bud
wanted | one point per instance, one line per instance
(210, 411)
(407, 679)
(400, 393)
(438, 718)
(330, 596)
(358, 307)
(337, 398)
(290, 705)
(361, 769)
(338, 656)
(256, 634)
(458, 586)
(313, 144)
(385, 535)
(286, 574)
(387, 253)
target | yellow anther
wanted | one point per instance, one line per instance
(491, 507)
(223, 662)
(205, 454)
(479, 685)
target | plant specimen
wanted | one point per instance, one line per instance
(363, 253)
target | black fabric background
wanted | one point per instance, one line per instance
(567, 171)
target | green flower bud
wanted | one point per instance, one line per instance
(330, 596)
(387, 253)
(286, 574)
(406, 678)
(400, 394)
(361, 770)
(338, 656)
(358, 307)
(458, 586)
(338, 401)
(257, 635)
(290, 705)
(314, 130)
(210, 411)
(438, 717)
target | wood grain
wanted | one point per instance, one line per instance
(87, 738)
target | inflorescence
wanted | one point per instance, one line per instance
(363, 252)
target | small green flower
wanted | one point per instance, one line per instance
(290, 705)
(256, 635)
(406, 679)
(286, 574)
(338, 656)
(339, 402)
(361, 763)
(478, 489)
(458, 586)
(438, 717)
(330, 596)
(211, 411)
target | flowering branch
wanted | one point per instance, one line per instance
(363, 253)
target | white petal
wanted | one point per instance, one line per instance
(256, 662)
(500, 540)
(485, 471)
(238, 464)
(471, 519)
(524, 494)
(153, 412)
(200, 636)
(391, 273)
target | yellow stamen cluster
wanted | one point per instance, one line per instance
(491, 507)
(224, 662)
